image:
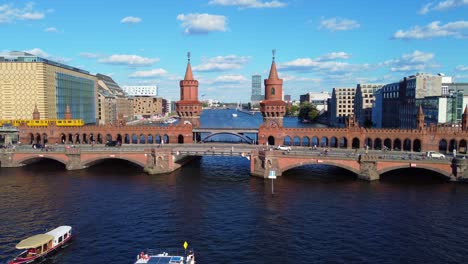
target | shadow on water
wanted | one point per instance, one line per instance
(414, 176)
(320, 173)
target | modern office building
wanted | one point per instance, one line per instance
(364, 101)
(317, 99)
(341, 106)
(147, 106)
(256, 90)
(141, 90)
(27, 80)
(107, 107)
(123, 103)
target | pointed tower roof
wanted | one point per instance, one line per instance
(188, 71)
(273, 71)
(420, 110)
(35, 109)
(36, 114)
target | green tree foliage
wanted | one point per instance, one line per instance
(292, 111)
(307, 111)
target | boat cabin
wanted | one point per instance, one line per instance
(60, 234)
(36, 245)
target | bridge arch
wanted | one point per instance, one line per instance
(443, 145)
(271, 140)
(343, 142)
(388, 143)
(378, 143)
(407, 144)
(305, 141)
(296, 141)
(91, 162)
(180, 139)
(34, 158)
(356, 144)
(417, 145)
(333, 142)
(243, 137)
(420, 166)
(287, 141)
(324, 162)
(453, 145)
(397, 144)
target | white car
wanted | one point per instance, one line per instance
(280, 147)
(435, 155)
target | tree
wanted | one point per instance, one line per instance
(307, 111)
(292, 110)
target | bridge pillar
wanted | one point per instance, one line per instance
(460, 170)
(73, 159)
(368, 168)
(159, 161)
(7, 160)
(262, 162)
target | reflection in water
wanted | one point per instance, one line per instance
(226, 214)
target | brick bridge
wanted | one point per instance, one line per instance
(157, 160)
(178, 140)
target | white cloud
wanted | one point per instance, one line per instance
(443, 5)
(130, 60)
(202, 23)
(324, 66)
(457, 29)
(338, 24)
(248, 3)
(131, 20)
(148, 74)
(222, 63)
(235, 78)
(51, 30)
(40, 53)
(413, 62)
(334, 56)
(90, 55)
(462, 68)
(9, 13)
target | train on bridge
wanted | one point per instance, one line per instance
(43, 122)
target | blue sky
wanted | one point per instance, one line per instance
(320, 44)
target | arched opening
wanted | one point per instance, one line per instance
(45, 140)
(108, 138)
(452, 145)
(315, 141)
(166, 139)
(462, 146)
(305, 141)
(70, 139)
(158, 139)
(63, 138)
(92, 139)
(413, 176)
(99, 138)
(333, 142)
(378, 143)
(134, 139)
(324, 142)
(127, 139)
(271, 141)
(180, 139)
(38, 139)
(443, 145)
(417, 145)
(142, 139)
(387, 144)
(397, 144)
(368, 143)
(297, 141)
(77, 139)
(407, 144)
(119, 138)
(343, 142)
(287, 141)
(31, 139)
(356, 144)
(85, 139)
(150, 139)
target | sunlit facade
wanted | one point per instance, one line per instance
(27, 80)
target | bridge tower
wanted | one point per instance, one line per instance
(273, 108)
(36, 114)
(465, 119)
(189, 108)
(420, 119)
(68, 114)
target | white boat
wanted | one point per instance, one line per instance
(234, 115)
(38, 247)
(152, 257)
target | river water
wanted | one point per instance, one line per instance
(317, 214)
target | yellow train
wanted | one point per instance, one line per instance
(43, 122)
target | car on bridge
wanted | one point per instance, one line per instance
(281, 147)
(435, 155)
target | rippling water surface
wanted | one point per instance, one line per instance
(318, 214)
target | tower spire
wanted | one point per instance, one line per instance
(188, 71)
(273, 72)
(36, 114)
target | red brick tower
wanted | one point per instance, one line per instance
(420, 119)
(273, 107)
(68, 114)
(36, 114)
(465, 119)
(189, 108)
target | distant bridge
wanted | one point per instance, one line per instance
(238, 132)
